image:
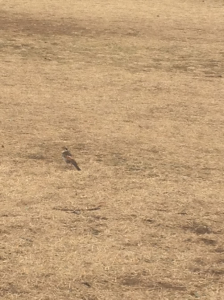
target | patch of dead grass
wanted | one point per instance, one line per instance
(135, 91)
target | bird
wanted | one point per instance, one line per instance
(67, 156)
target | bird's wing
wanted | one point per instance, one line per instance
(67, 152)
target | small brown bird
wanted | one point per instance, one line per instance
(67, 156)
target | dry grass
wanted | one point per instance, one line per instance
(135, 90)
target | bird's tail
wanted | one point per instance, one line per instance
(75, 165)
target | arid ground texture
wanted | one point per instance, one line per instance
(135, 90)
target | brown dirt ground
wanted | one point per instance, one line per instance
(135, 90)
